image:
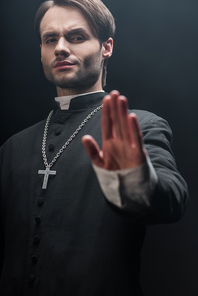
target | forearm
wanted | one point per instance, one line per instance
(154, 191)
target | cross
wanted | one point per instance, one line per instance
(46, 172)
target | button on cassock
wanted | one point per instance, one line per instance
(51, 147)
(40, 200)
(36, 239)
(57, 131)
(34, 258)
(38, 220)
(31, 278)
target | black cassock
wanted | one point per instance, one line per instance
(68, 239)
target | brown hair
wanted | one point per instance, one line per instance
(98, 15)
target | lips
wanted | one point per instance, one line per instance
(63, 65)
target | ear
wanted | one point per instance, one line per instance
(107, 48)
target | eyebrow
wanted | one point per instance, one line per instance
(49, 34)
(78, 31)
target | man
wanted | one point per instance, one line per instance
(67, 230)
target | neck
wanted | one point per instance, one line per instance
(69, 92)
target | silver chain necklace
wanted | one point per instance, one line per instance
(47, 171)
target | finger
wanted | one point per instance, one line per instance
(124, 118)
(136, 134)
(115, 114)
(93, 150)
(106, 122)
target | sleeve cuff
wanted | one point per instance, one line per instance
(121, 187)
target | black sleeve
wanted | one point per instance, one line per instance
(170, 197)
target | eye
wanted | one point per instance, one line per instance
(78, 38)
(51, 40)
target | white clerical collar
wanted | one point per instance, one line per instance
(64, 101)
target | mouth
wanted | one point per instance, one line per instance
(63, 65)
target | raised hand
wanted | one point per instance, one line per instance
(122, 145)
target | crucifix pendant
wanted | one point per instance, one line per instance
(46, 174)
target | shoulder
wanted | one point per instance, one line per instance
(146, 116)
(25, 136)
(150, 120)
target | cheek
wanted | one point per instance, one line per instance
(46, 56)
(86, 50)
(93, 60)
(89, 62)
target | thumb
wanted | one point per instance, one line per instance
(93, 150)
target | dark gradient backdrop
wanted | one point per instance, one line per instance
(155, 64)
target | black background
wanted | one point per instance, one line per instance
(155, 64)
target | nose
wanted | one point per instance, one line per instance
(62, 47)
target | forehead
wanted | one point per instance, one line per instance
(64, 18)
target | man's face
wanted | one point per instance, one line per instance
(71, 55)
